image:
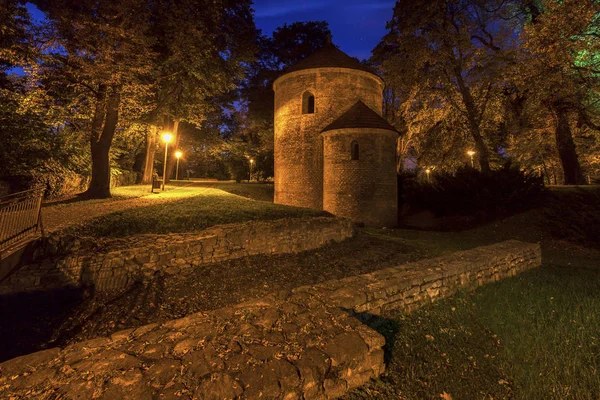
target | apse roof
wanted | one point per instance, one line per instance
(359, 116)
(329, 56)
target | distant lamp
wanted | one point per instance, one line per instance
(428, 172)
(166, 137)
(178, 155)
(251, 165)
(471, 153)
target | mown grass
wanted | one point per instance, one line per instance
(255, 191)
(535, 336)
(210, 207)
(117, 193)
(135, 191)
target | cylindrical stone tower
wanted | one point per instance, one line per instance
(359, 173)
(308, 97)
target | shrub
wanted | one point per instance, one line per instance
(469, 192)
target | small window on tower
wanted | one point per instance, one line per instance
(354, 150)
(308, 103)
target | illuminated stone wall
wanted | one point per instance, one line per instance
(362, 190)
(409, 286)
(115, 264)
(298, 142)
(304, 344)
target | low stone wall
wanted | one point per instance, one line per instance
(299, 344)
(409, 286)
(282, 347)
(116, 264)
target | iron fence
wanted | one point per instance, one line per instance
(20, 218)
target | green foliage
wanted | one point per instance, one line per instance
(469, 192)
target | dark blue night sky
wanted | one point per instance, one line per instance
(357, 25)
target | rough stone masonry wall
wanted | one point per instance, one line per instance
(298, 145)
(409, 286)
(363, 190)
(113, 265)
(298, 345)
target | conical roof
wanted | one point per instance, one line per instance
(328, 56)
(359, 115)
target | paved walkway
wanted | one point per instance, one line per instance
(60, 216)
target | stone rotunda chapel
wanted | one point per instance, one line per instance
(333, 149)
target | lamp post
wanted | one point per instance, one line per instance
(471, 153)
(251, 165)
(178, 155)
(166, 137)
(428, 171)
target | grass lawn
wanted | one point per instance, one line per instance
(255, 191)
(210, 206)
(535, 336)
(118, 193)
(134, 191)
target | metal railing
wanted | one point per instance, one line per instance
(20, 218)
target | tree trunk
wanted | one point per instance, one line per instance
(173, 146)
(150, 152)
(106, 114)
(474, 121)
(566, 149)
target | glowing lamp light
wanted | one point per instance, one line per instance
(250, 175)
(178, 155)
(167, 137)
(471, 153)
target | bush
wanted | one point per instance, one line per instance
(469, 192)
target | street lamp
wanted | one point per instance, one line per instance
(178, 155)
(428, 171)
(471, 153)
(166, 137)
(251, 165)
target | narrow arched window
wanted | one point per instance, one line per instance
(354, 150)
(308, 103)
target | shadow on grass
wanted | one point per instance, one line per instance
(388, 328)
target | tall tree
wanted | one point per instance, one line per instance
(446, 53)
(560, 69)
(140, 61)
(202, 49)
(101, 58)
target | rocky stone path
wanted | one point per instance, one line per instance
(284, 346)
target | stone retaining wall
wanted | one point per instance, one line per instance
(300, 344)
(116, 264)
(409, 286)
